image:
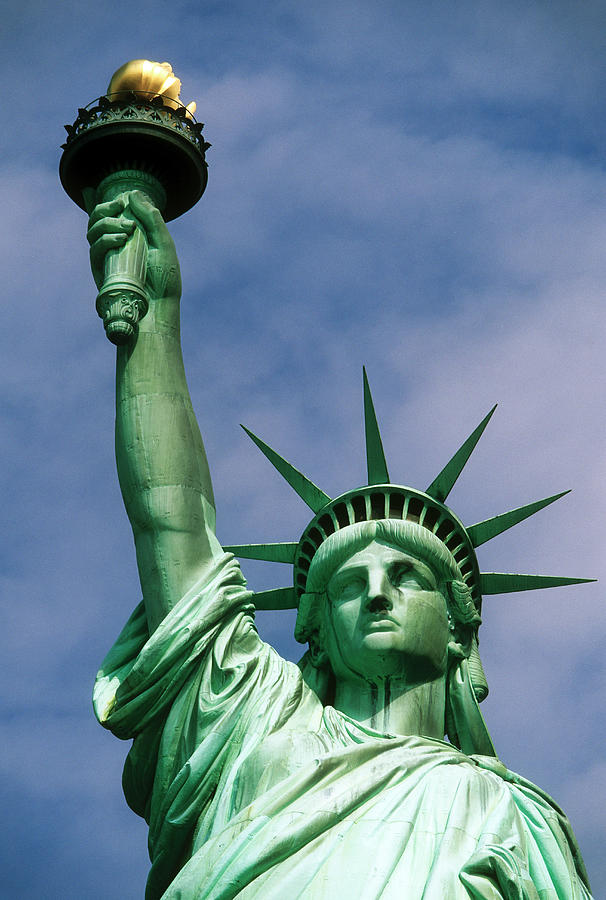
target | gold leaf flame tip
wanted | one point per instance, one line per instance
(146, 78)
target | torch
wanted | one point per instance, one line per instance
(138, 136)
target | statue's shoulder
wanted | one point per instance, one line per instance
(494, 765)
(488, 776)
(530, 799)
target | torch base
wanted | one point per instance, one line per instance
(113, 134)
(120, 311)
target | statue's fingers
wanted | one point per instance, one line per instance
(151, 219)
(108, 225)
(103, 245)
(110, 209)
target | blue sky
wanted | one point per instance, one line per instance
(416, 186)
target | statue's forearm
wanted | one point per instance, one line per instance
(162, 464)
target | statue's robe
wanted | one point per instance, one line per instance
(252, 788)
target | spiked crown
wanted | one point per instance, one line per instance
(381, 499)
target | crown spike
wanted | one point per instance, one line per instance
(442, 485)
(489, 528)
(278, 598)
(280, 553)
(375, 456)
(504, 583)
(306, 489)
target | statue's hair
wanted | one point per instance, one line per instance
(407, 535)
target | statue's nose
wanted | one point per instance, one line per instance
(379, 603)
(378, 597)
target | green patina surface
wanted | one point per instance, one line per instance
(365, 771)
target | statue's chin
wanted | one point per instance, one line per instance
(385, 657)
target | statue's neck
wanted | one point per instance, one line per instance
(389, 706)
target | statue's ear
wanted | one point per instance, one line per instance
(456, 648)
(463, 618)
(456, 643)
(310, 628)
(460, 603)
(317, 651)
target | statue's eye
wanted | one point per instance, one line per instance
(350, 588)
(405, 575)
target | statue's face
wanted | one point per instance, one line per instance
(386, 617)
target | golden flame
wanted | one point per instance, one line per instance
(148, 79)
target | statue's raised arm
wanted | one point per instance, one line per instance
(161, 460)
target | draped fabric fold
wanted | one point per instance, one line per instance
(252, 788)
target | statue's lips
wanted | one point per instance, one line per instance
(381, 621)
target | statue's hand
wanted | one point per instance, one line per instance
(112, 223)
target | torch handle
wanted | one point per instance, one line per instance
(122, 300)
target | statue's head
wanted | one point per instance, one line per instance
(386, 582)
(386, 598)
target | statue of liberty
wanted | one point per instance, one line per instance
(364, 771)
